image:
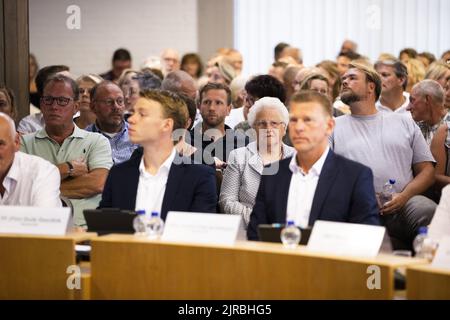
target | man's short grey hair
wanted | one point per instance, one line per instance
(268, 103)
(11, 123)
(174, 81)
(431, 88)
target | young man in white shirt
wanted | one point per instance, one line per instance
(160, 179)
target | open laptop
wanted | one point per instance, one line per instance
(109, 220)
(272, 233)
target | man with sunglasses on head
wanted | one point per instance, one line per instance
(108, 104)
(83, 158)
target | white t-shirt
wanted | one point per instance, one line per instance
(31, 181)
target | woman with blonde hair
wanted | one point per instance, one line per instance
(439, 71)
(85, 84)
(416, 72)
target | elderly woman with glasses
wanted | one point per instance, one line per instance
(269, 118)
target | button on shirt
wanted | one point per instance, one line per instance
(302, 189)
(121, 146)
(31, 181)
(151, 188)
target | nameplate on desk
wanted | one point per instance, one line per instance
(32, 220)
(442, 258)
(347, 239)
(203, 228)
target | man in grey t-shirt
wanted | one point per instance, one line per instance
(393, 147)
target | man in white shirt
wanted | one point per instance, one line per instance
(25, 180)
(394, 78)
(315, 183)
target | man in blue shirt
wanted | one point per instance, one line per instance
(109, 106)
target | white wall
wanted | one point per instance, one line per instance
(318, 27)
(144, 27)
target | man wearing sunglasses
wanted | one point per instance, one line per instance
(83, 158)
(108, 104)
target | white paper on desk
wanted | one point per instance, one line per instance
(347, 239)
(203, 228)
(33, 220)
(442, 257)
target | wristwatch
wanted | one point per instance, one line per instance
(69, 164)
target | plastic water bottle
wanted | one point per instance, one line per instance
(154, 226)
(387, 192)
(139, 224)
(424, 246)
(290, 235)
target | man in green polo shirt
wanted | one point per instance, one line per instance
(83, 158)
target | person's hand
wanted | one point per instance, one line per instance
(220, 164)
(398, 201)
(79, 168)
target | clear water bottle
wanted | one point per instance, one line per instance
(387, 192)
(154, 226)
(424, 246)
(139, 224)
(290, 235)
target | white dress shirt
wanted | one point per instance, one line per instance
(31, 181)
(151, 188)
(401, 109)
(302, 189)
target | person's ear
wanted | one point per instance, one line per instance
(17, 142)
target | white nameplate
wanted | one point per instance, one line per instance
(203, 228)
(347, 239)
(33, 220)
(442, 257)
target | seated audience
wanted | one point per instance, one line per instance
(121, 60)
(392, 145)
(394, 79)
(35, 122)
(108, 105)
(315, 183)
(83, 158)
(7, 104)
(85, 84)
(212, 138)
(427, 107)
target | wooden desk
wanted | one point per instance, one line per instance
(34, 267)
(426, 282)
(126, 267)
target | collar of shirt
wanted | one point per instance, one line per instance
(77, 133)
(163, 169)
(198, 131)
(315, 170)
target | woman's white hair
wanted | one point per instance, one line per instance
(268, 103)
(10, 121)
